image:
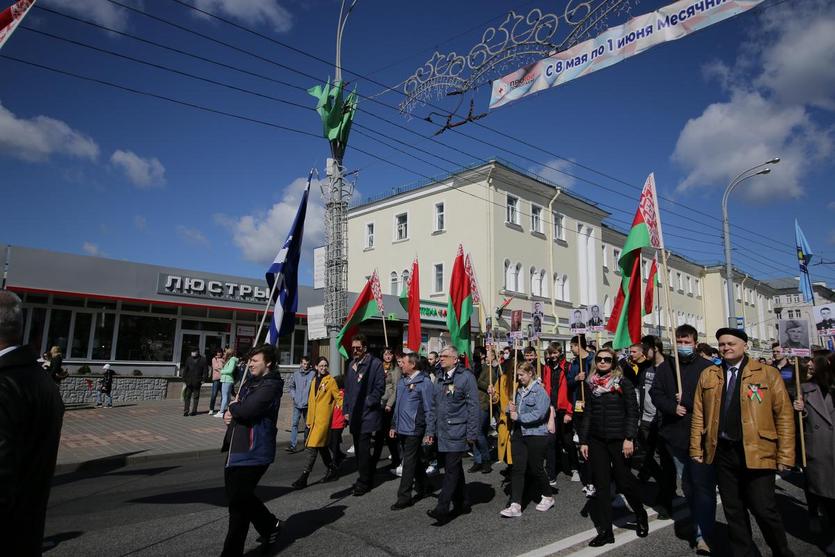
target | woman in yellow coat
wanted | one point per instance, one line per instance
(324, 396)
(502, 395)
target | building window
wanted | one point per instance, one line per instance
(797, 298)
(401, 226)
(103, 335)
(144, 338)
(439, 278)
(698, 287)
(605, 256)
(738, 292)
(615, 256)
(536, 219)
(369, 235)
(680, 278)
(558, 226)
(518, 278)
(536, 283)
(512, 210)
(59, 329)
(439, 217)
(508, 275)
(393, 284)
(81, 335)
(689, 284)
(543, 283)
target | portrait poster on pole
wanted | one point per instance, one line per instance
(825, 319)
(516, 324)
(793, 335)
(537, 317)
(578, 322)
(595, 321)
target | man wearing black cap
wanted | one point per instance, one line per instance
(743, 424)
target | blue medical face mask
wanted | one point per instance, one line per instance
(717, 361)
(685, 351)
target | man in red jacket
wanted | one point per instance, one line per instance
(553, 378)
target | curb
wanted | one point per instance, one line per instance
(119, 461)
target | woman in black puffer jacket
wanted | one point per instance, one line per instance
(606, 441)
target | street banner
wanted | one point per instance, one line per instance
(11, 17)
(640, 33)
(825, 319)
(793, 335)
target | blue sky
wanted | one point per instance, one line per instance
(90, 169)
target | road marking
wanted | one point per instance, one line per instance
(622, 537)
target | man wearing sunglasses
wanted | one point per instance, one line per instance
(365, 383)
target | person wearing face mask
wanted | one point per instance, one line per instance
(698, 480)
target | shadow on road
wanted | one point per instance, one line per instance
(215, 496)
(95, 468)
(303, 524)
(52, 542)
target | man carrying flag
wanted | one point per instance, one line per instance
(365, 383)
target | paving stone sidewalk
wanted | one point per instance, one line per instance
(142, 431)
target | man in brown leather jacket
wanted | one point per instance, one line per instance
(743, 424)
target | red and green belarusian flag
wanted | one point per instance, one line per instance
(652, 282)
(625, 321)
(364, 308)
(410, 300)
(460, 307)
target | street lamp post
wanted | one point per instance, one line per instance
(726, 232)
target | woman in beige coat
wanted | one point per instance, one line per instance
(324, 396)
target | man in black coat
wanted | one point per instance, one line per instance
(31, 414)
(365, 383)
(194, 372)
(698, 480)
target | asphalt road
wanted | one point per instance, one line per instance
(177, 507)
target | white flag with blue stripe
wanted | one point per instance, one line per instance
(283, 275)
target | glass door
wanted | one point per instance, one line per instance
(189, 342)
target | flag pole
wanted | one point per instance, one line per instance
(670, 321)
(267, 309)
(799, 415)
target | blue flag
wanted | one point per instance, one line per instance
(804, 256)
(283, 275)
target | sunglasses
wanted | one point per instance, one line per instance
(603, 360)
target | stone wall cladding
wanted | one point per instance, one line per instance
(76, 389)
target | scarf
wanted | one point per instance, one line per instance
(602, 384)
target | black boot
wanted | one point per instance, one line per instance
(301, 483)
(602, 539)
(641, 522)
(331, 475)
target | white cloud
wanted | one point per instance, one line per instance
(38, 138)
(732, 136)
(140, 222)
(554, 171)
(799, 64)
(260, 235)
(784, 71)
(100, 11)
(91, 249)
(192, 236)
(251, 12)
(144, 173)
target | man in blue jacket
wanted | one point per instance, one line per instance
(250, 440)
(412, 411)
(299, 389)
(454, 422)
(365, 383)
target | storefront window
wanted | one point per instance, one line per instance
(284, 350)
(144, 308)
(75, 302)
(145, 339)
(207, 326)
(59, 329)
(246, 316)
(167, 310)
(38, 318)
(103, 336)
(81, 335)
(101, 304)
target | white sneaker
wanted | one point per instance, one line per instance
(219, 415)
(575, 476)
(431, 470)
(545, 504)
(398, 471)
(211, 414)
(514, 510)
(589, 490)
(553, 483)
(351, 450)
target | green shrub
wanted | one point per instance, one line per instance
(137, 372)
(84, 370)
